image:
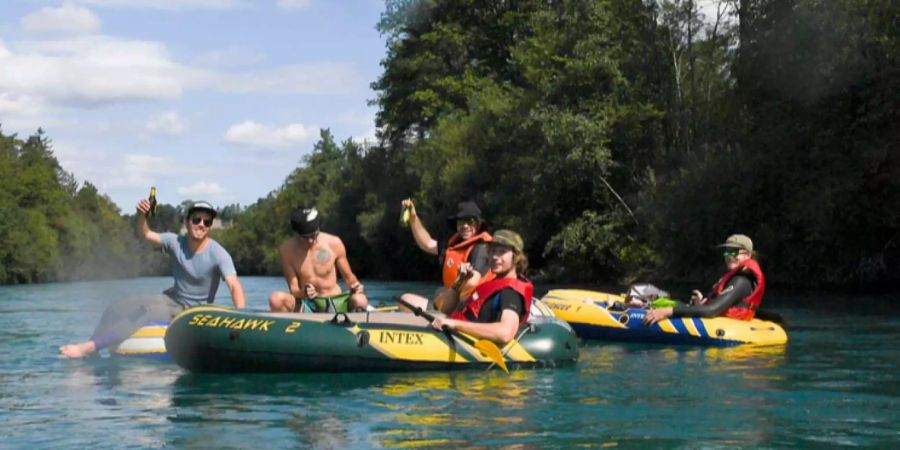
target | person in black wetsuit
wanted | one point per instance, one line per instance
(736, 295)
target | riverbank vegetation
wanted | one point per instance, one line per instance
(623, 139)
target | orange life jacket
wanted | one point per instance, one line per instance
(485, 291)
(458, 252)
(746, 309)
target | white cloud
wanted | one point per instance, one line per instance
(256, 135)
(294, 5)
(166, 5)
(312, 79)
(139, 171)
(90, 71)
(200, 188)
(67, 18)
(231, 57)
(168, 123)
(94, 71)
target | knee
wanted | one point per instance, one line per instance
(276, 301)
(359, 301)
(414, 300)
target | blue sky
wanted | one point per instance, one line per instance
(205, 99)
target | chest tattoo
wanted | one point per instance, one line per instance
(322, 256)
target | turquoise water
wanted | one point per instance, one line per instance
(835, 384)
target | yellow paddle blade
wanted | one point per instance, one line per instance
(491, 350)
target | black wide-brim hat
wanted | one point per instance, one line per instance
(466, 210)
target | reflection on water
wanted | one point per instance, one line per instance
(834, 384)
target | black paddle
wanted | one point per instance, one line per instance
(486, 347)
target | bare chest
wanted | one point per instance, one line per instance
(315, 262)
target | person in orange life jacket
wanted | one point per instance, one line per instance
(736, 295)
(497, 307)
(464, 254)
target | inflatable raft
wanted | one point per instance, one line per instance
(146, 342)
(594, 315)
(214, 339)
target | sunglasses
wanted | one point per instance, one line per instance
(470, 221)
(731, 253)
(206, 222)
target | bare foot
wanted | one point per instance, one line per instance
(78, 350)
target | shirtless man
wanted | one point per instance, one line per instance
(308, 262)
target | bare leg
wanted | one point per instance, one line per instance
(415, 300)
(446, 300)
(79, 350)
(358, 302)
(120, 320)
(281, 301)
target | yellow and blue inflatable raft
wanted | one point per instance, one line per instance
(592, 316)
(146, 342)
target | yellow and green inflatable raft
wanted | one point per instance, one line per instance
(592, 316)
(215, 339)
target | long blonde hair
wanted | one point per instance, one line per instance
(520, 262)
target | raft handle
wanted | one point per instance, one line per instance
(346, 322)
(362, 339)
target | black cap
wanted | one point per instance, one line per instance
(202, 206)
(465, 210)
(305, 220)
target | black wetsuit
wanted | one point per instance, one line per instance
(738, 288)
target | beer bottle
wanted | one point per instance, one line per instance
(152, 200)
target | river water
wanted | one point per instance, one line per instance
(835, 384)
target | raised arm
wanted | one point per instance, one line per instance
(420, 234)
(143, 229)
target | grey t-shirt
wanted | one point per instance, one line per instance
(196, 275)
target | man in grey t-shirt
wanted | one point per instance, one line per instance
(198, 263)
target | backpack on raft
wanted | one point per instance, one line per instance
(646, 295)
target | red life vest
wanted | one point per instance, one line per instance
(746, 309)
(485, 291)
(458, 252)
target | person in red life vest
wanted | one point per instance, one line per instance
(464, 254)
(496, 308)
(736, 295)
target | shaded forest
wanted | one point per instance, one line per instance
(623, 139)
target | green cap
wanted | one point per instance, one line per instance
(738, 241)
(510, 239)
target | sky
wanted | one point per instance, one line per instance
(205, 99)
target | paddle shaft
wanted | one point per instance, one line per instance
(430, 318)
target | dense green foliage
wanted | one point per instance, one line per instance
(623, 139)
(50, 228)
